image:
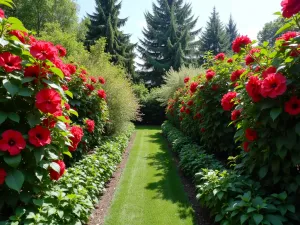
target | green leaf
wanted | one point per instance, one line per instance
(15, 180)
(274, 219)
(257, 218)
(291, 208)
(52, 156)
(284, 28)
(297, 128)
(243, 218)
(14, 117)
(263, 172)
(72, 111)
(39, 154)
(10, 87)
(13, 161)
(218, 218)
(57, 72)
(68, 153)
(3, 116)
(25, 92)
(38, 202)
(33, 119)
(69, 93)
(27, 79)
(277, 13)
(282, 196)
(55, 167)
(274, 113)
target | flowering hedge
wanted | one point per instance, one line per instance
(252, 99)
(36, 105)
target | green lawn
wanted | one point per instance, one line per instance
(150, 191)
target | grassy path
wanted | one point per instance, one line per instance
(150, 191)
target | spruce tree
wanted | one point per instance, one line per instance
(168, 39)
(231, 30)
(105, 22)
(214, 38)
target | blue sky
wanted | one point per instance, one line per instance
(250, 15)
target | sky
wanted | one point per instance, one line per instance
(250, 16)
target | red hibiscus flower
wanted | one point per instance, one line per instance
(67, 106)
(34, 71)
(39, 136)
(215, 87)
(13, 142)
(90, 125)
(102, 94)
(101, 80)
(21, 35)
(2, 13)
(61, 50)
(235, 114)
(290, 8)
(253, 88)
(90, 87)
(292, 106)
(227, 101)
(71, 68)
(182, 109)
(236, 75)
(10, 62)
(240, 42)
(93, 79)
(77, 133)
(3, 175)
(273, 85)
(220, 56)
(48, 101)
(288, 36)
(193, 87)
(190, 103)
(230, 60)
(210, 74)
(43, 50)
(268, 71)
(49, 122)
(55, 175)
(186, 80)
(187, 111)
(64, 87)
(246, 146)
(251, 134)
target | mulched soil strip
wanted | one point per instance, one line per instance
(105, 200)
(201, 214)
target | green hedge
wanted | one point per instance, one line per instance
(233, 199)
(71, 200)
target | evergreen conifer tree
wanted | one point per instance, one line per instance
(231, 30)
(169, 39)
(214, 38)
(105, 22)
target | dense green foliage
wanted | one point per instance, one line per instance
(72, 199)
(168, 39)
(215, 38)
(105, 22)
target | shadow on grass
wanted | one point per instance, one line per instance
(169, 186)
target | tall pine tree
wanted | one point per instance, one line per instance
(168, 39)
(105, 22)
(231, 30)
(214, 38)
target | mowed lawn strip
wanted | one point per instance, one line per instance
(150, 191)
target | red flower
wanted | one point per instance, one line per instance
(190, 103)
(230, 60)
(182, 109)
(34, 71)
(227, 101)
(48, 101)
(290, 8)
(90, 125)
(235, 114)
(186, 79)
(2, 13)
(61, 50)
(253, 88)
(202, 130)
(13, 142)
(71, 68)
(67, 106)
(187, 111)
(240, 42)
(236, 75)
(49, 122)
(193, 87)
(288, 36)
(251, 134)
(64, 87)
(83, 77)
(102, 94)
(39, 136)
(215, 87)
(268, 71)
(10, 62)
(273, 85)
(77, 133)
(90, 87)
(55, 175)
(197, 116)
(251, 57)
(246, 146)
(210, 74)
(43, 50)
(3, 175)
(220, 56)
(292, 106)
(21, 35)
(93, 79)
